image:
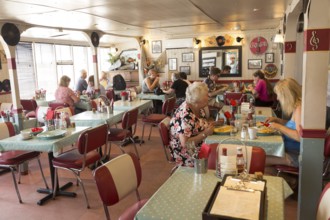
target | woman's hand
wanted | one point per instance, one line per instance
(275, 126)
(208, 131)
(271, 119)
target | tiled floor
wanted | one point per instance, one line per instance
(155, 170)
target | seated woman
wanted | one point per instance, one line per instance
(189, 124)
(149, 85)
(104, 81)
(64, 94)
(289, 94)
(178, 87)
(263, 91)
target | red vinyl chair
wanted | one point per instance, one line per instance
(257, 161)
(238, 96)
(85, 154)
(117, 179)
(120, 135)
(13, 159)
(154, 119)
(323, 210)
(165, 136)
(110, 94)
(30, 106)
(55, 105)
(295, 170)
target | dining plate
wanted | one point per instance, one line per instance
(265, 131)
(34, 131)
(223, 130)
(52, 134)
(26, 138)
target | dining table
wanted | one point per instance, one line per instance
(185, 195)
(127, 105)
(95, 118)
(152, 96)
(53, 146)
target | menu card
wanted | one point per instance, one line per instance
(238, 199)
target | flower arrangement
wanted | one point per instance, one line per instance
(124, 93)
(5, 116)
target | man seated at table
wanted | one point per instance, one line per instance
(91, 87)
(81, 83)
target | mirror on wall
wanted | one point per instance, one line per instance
(220, 57)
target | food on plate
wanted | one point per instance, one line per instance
(37, 130)
(266, 130)
(223, 129)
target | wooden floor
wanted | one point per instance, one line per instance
(155, 168)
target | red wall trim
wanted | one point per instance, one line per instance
(11, 63)
(5, 93)
(317, 40)
(94, 58)
(312, 133)
(290, 47)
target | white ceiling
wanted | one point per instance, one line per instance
(135, 18)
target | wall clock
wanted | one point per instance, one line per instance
(258, 45)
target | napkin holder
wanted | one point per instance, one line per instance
(207, 215)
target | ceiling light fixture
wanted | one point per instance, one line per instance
(278, 37)
(237, 27)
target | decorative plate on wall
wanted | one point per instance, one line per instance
(6, 85)
(270, 70)
(258, 45)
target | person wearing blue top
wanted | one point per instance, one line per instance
(289, 94)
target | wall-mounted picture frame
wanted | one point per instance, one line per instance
(156, 46)
(172, 64)
(269, 57)
(188, 57)
(185, 69)
(254, 63)
(207, 63)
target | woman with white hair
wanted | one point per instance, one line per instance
(189, 124)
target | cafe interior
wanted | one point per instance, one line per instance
(41, 41)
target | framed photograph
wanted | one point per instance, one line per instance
(156, 46)
(269, 57)
(188, 57)
(185, 69)
(254, 63)
(208, 62)
(172, 64)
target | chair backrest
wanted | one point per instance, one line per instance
(7, 129)
(92, 139)
(41, 112)
(29, 104)
(6, 106)
(238, 96)
(256, 156)
(54, 105)
(66, 110)
(110, 94)
(164, 131)
(168, 106)
(130, 119)
(323, 211)
(118, 178)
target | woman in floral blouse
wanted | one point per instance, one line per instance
(189, 124)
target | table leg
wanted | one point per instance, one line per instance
(59, 190)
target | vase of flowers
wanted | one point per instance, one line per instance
(123, 95)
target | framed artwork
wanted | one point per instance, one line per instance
(269, 57)
(207, 63)
(188, 57)
(185, 69)
(156, 46)
(254, 63)
(172, 64)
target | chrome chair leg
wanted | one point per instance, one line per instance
(150, 131)
(15, 183)
(137, 153)
(42, 174)
(141, 141)
(106, 212)
(55, 182)
(83, 187)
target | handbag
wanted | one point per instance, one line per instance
(158, 91)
